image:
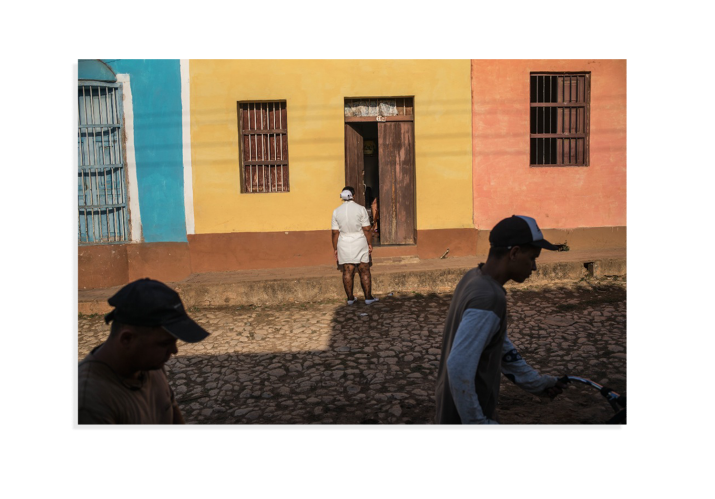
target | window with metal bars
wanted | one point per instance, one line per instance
(560, 119)
(263, 134)
(101, 183)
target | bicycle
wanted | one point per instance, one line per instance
(617, 402)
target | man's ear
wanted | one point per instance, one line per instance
(126, 336)
(513, 252)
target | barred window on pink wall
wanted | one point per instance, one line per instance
(263, 139)
(560, 119)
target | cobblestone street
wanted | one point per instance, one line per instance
(328, 363)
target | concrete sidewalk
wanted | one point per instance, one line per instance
(389, 275)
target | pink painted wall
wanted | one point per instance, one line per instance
(558, 197)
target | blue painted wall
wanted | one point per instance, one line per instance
(156, 97)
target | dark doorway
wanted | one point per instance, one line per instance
(379, 164)
(362, 170)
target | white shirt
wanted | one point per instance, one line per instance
(349, 218)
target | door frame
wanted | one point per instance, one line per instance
(351, 163)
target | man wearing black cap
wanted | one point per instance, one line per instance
(122, 381)
(475, 346)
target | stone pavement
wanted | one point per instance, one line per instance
(328, 363)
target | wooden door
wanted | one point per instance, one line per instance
(354, 166)
(397, 182)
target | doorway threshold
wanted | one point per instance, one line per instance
(394, 250)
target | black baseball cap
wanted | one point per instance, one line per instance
(147, 302)
(518, 230)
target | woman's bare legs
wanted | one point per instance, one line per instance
(349, 279)
(365, 280)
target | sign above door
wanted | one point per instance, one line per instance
(380, 109)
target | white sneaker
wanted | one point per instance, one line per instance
(368, 302)
(350, 302)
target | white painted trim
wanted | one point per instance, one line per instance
(135, 220)
(186, 141)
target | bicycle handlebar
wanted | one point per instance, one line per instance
(617, 401)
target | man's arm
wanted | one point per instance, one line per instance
(523, 375)
(475, 330)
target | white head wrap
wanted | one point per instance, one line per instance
(346, 195)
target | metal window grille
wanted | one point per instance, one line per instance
(102, 194)
(560, 119)
(263, 132)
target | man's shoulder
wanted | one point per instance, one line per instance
(474, 279)
(480, 291)
(483, 287)
(95, 379)
(97, 393)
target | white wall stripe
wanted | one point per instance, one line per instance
(135, 219)
(186, 140)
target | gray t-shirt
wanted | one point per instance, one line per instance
(107, 398)
(476, 351)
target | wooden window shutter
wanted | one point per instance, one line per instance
(263, 134)
(559, 119)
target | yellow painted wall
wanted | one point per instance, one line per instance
(315, 91)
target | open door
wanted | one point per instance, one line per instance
(397, 182)
(354, 163)
(388, 169)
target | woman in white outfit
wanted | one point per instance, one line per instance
(352, 243)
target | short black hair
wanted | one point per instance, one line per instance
(348, 188)
(116, 327)
(498, 252)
